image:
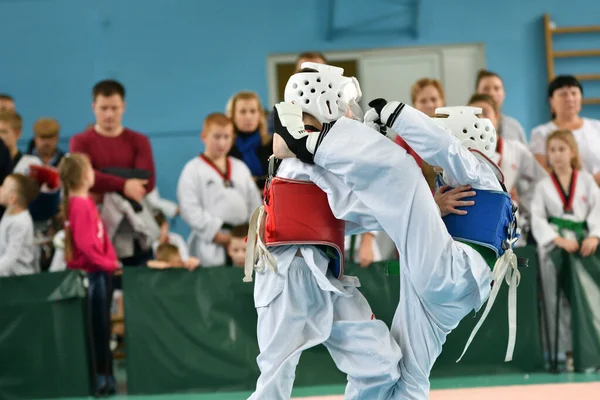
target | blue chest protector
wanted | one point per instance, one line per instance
(490, 222)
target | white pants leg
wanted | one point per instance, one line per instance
(302, 316)
(363, 348)
(442, 280)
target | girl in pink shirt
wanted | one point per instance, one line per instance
(88, 248)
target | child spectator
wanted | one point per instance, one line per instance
(169, 237)
(215, 193)
(45, 141)
(11, 125)
(46, 205)
(168, 256)
(565, 213)
(88, 248)
(236, 249)
(17, 250)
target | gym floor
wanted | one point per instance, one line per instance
(498, 387)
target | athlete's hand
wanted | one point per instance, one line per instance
(373, 121)
(289, 129)
(447, 200)
(387, 111)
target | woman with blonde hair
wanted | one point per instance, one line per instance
(253, 145)
(426, 95)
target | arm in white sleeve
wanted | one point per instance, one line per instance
(438, 147)
(344, 204)
(593, 218)
(16, 238)
(542, 230)
(253, 195)
(537, 142)
(529, 167)
(167, 207)
(192, 211)
(520, 132)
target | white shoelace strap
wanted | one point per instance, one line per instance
(258, 256)
(506, 268)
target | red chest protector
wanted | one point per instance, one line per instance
(297, 212)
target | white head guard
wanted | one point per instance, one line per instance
(325, 94)
(473, 132)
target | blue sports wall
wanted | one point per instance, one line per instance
(181, 59)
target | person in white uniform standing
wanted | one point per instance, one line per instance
(215, 193)
(442, 279)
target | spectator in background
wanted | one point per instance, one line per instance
(307, 56)
(17, 250)
(111, 146)
(236, 248)
(516, 163)
(169, 237)
(564, 94)
(169, 208)
(5, 161)
(490, 83)
(11, 125)
(253, 145)
(45, 141)
(566, 214)
(45, 206)
(168, 256)
(7, 103)
(215, 193)
(362, 249)
(88, 248)
(426, 95)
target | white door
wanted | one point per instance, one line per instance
(391, 75)
(459, 72)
